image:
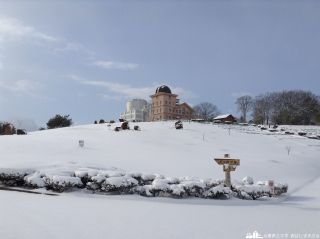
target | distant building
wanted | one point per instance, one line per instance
(136, 110)
(166, 106)
(227, 118)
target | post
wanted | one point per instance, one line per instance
(227, 179)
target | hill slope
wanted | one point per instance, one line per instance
(159, 148)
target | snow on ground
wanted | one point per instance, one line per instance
(159, 148)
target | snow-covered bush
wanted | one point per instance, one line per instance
(160, 187)
(149, 185)
(143, 190)
(212, 182)
(177, 191)
(193, 188)
(147, 179)
(94, 182)
(62, 183)
(83, 175)
(139, 177)
(251, 192)
(14, 177)
(35, 180)
(217, 192)
(122, 184)
(280, 189)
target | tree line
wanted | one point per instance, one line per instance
(294, 107)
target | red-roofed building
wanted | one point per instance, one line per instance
(227, 118)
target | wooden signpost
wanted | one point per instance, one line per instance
(229, 165)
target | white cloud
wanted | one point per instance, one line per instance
(183, 94)
(110, 97)
(14, 30)
(119, 91)
(21, 86)
(74, 47)
(116, 65)
(11, 28)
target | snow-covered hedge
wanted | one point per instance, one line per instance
(251, 191)
(149, 185)
(62, 183)
(14, 177)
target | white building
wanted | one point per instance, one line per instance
(136, 110)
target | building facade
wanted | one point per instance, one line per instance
(166, 106)
(137, 110)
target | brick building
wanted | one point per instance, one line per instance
(166, 106)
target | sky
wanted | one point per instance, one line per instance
(87, 58)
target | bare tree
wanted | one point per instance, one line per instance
(244, 104)
(263, 107)
(206, 110)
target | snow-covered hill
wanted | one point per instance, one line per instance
(160, 148)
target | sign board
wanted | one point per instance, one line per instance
(229, 165)
(223, 161)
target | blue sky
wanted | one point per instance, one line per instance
(86, 58)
